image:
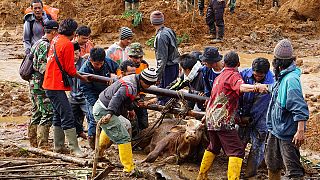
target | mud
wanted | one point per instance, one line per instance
(252, 31)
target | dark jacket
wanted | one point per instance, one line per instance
(195, 87)
(92, 90)
(255, 105)
(166, 48)
(29, 38)
(119, 96)
(76, 95)
(208, 78)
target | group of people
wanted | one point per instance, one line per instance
(247, 106)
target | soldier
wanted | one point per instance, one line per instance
(42, 112)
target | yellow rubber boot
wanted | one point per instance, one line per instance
(104, 143)
(234, 168)
(206, 163)
(125, 153)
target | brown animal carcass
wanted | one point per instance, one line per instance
(180, 142)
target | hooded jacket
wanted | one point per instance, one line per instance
(118, 97)
(287, 105)
(37, 29)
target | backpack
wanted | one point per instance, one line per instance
(26, 68)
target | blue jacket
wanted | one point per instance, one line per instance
(255, 105)
(208, 77)
(287, 105)
(91, 90)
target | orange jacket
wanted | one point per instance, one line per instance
(143, 65)
(65, 52)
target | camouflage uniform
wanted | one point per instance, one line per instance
(42, 110)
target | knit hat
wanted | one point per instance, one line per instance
(135, 49)
(283, 50)
(149, 76)
(51, 24)
(125, 33)
(157, 18)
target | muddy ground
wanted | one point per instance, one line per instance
(252, 32)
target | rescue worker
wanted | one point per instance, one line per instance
(97, 64)
(42, 112)
(118, 51)
(253, 110)
(83, 38)
(61, 54)
(136, 56)
(213, 67)
(215, 21)
(222, 116)
(191, 77)
(166, 49)
(115, 102)
(286, 117)
(76, 97)
(33, 27)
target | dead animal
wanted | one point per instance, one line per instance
(178, 142)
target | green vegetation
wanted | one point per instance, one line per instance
(181, 39)
(135, 15)
(150, 41)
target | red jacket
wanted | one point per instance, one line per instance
(65, 52)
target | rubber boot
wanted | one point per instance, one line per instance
(206, 163)
(59, 140)
(135, 6)
(104, 143)
(127, 6)
(71, 135)
(32, 134)
(234, 168)
(125, 153)
(43, 136)
(274, 175)
(91, 141)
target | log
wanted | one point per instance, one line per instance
(30, 170)
(33, 165)
(30, 176)
(155, 90)
(195, 114)
(42, 160)
(63, 157)
(104, 173)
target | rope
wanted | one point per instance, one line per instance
(168, 106)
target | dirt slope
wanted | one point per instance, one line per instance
(247, 29)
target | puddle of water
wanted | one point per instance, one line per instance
(18, 120)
